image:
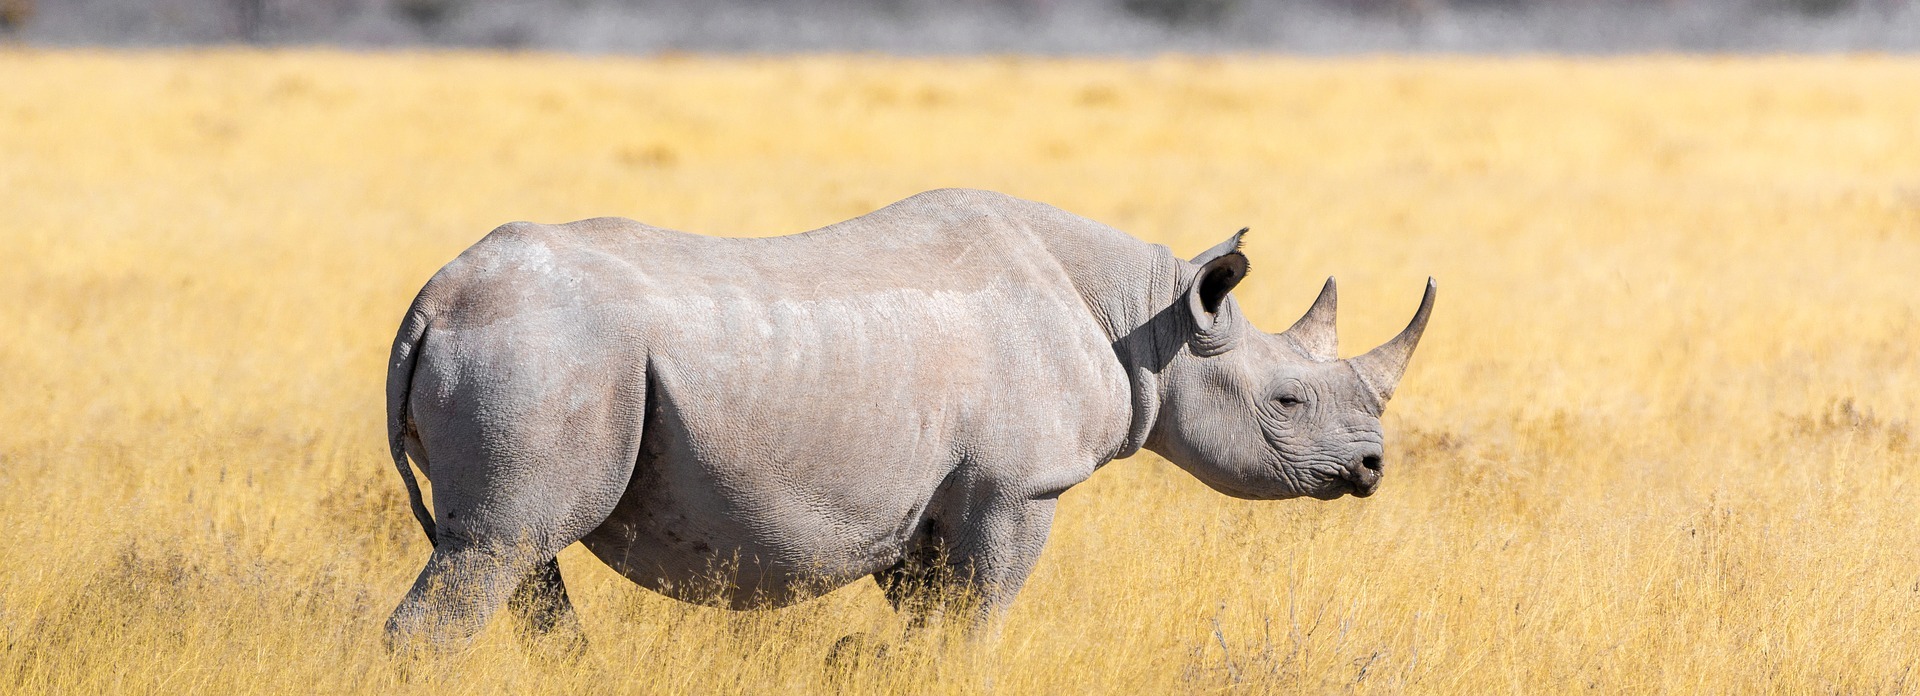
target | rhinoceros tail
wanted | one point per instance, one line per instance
(406, 352)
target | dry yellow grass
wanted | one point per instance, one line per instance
(1660, 437)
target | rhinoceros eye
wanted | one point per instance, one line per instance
(1290, 401)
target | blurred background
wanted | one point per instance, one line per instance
(1662, 437)
(1123, 27)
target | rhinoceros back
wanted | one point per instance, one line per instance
(788, 406)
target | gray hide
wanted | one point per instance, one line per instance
(752, 422)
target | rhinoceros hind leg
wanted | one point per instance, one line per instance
(461, 587)
(546, 617)
(919, 586)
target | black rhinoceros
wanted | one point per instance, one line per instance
(750, 422)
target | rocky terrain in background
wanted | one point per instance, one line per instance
(1126, 27)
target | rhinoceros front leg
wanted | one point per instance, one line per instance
(973, 565)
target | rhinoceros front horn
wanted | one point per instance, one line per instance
(1382, 367)
(1314, 333)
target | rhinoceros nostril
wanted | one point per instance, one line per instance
(1372, 463)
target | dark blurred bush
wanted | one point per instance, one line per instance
(15, 14)
(1179, 12)
(1817, 7)
(428, 15)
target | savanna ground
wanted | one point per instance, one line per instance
(1660, 436)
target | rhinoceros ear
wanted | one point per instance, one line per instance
(1221, 268)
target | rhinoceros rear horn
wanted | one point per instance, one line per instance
(1314, 333)
(1382, 367)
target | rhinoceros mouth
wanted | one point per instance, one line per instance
(1336, 488)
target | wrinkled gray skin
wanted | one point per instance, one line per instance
(904, 395)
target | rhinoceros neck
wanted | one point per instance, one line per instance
(1130, 287)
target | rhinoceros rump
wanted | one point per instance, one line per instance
(751, 422)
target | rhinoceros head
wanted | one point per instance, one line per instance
(1267, 416)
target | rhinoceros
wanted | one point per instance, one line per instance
(751, 422)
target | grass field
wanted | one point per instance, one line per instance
(1660, 436)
